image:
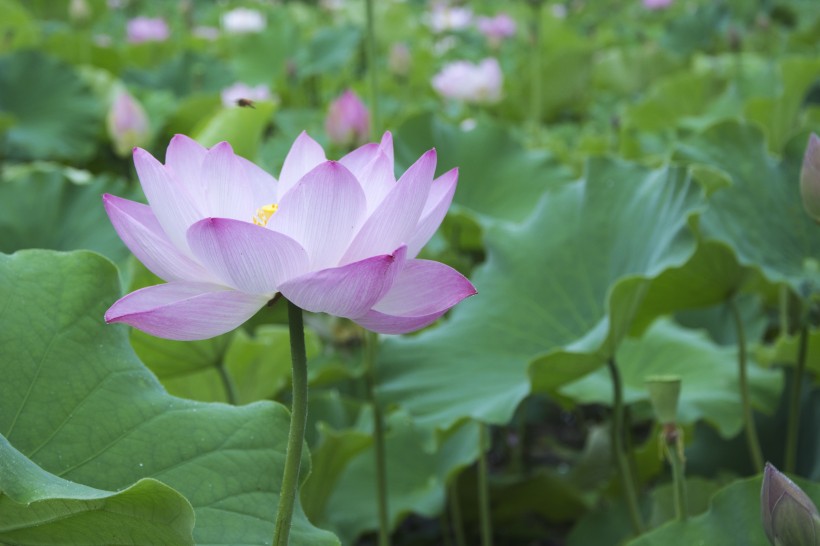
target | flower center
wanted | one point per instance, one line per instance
(263, 214)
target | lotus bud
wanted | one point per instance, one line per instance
(789, 516)
(398, 61)
(664, 392)
(79, 11)
(810, 178)
(348, 121)
(127, 123)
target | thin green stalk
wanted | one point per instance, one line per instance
(370, 350)
(673, 451)
(627, 480)
(227, 383)
(298, 422)
(373, 73)
(455, 512)
(535, 70)
(745, 399)
(793, 426)
(484, 489)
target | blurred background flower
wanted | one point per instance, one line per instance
(147, 29)
(243, 21)
(469, 82)
(348, 121)
(127, 123)
(231, 95)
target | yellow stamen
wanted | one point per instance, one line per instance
(263, 214)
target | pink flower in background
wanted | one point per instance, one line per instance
(127, 123)
(230, 95)
(243, 21)
(443, 18)
(338, 237)
(347, 121)
(468, 82)
(147, 29)
(656, 4)
(497, 28)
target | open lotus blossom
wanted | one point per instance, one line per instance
(339, 237)
(656, 4)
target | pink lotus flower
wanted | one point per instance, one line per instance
(146, 29)
(243, 21)
(656, 4)
(127, 123)
(347, 121)
(463, 80)
(497, 28)
(337, 237)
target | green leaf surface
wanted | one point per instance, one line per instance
(497, 179)
(708, 372)
(44, 205)
(241, 127)
(40, 508)
(760, 215)
(56, 115)
(733, 519)
(77, 402)
(416, 477)
(547, 289)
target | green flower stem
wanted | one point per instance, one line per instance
(455, 512)
(371, 348)
(227, 383)
(627, 480)
(483, 488)
(375, 122)
(298, 422)
(793, 425)
(745, 399)
(535, 69)
(674, 454)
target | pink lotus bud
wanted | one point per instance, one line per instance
(348, 121)
(238, 91)
(810, 178)
(398, 60)
(127, 123)
(497, 28)
(656, 4)
(468, 82)
(146, 29)
(788, 515)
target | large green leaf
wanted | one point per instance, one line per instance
(760, 215)
(708, 372)
(78, 403)
(44, 205)
(233, 365)
(733, 519)
(40, 508)
(242, 127)
(497, 179)
(566, 283)
(416, 476)
(56, 115)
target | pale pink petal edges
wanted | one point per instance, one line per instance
(423, 291)
(185, 311)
